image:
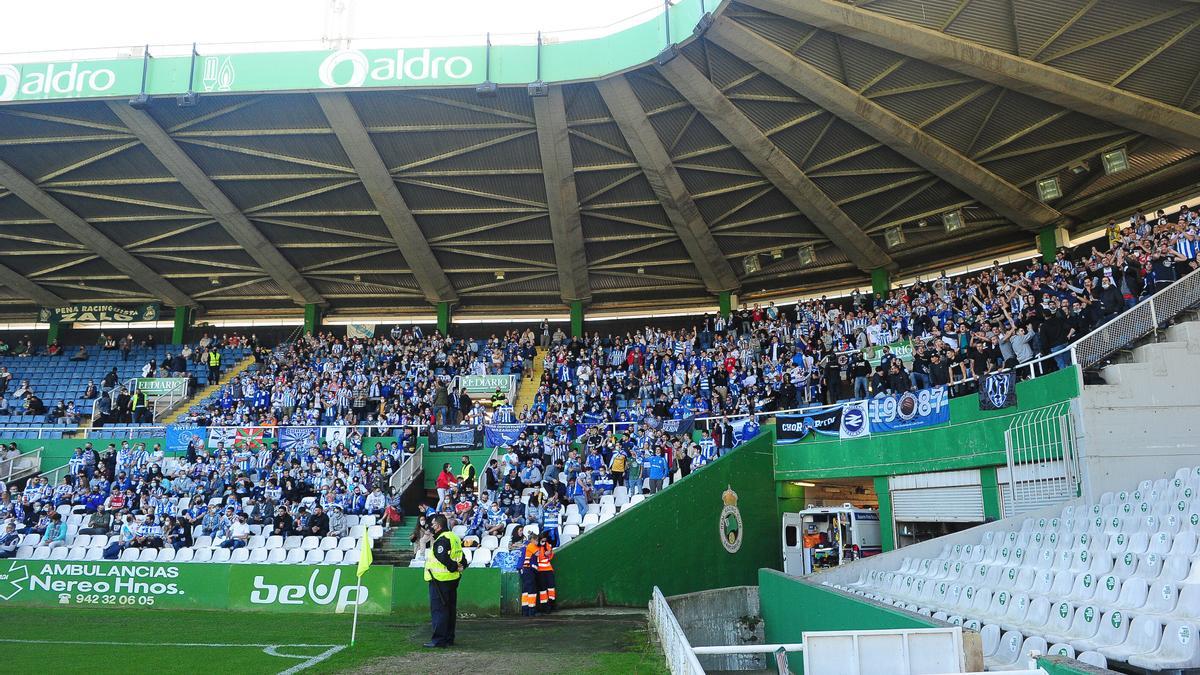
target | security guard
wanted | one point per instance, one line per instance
(466, 475)
(214, 366)
(443, 568)
(137, 407)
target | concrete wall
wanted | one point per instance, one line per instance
(673, 540)
(1143, 423)
(725, 616)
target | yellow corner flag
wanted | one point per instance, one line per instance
(364, 560)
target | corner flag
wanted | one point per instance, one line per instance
(364, 560)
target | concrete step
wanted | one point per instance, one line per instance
(1187, 332)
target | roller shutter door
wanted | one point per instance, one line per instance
(947, 497)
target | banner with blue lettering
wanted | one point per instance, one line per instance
(498, 435)
(679, 426)
(180, 435)
(299, 439)
(910, 410)
(793, 428)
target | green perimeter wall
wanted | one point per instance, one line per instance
(790, 607)
(268, 588)
(432, 464)
(973, 438)
(673, 540)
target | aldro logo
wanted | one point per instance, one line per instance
(54, 81)
(352, 68)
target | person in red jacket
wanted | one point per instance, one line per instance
(445, 481)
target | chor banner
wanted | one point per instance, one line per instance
(277, 588)
(97, 313)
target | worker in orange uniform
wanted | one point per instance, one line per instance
(528, 571)
(545, 574)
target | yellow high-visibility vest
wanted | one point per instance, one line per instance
(434, 569)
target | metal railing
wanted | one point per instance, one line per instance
(409, 469)
(26, 462)
(681, 658)
(54, 476)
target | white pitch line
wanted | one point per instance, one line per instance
(310, 660)
(159, 644)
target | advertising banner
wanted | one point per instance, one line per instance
(910, 410)
(452, 437)
(498, 435)
(179, 436)
(673, 426)
(277, 588)
(360, 330)
(901, 350)
(162, 386)
(96, 313)
(316, 589)
(485, 384)
(60, 582)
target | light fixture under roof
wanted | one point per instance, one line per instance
(358, 277)
(1048, 188)
(893, 236)
(952, 220)
(499, 275)
(777, 254)
(751, 264)
(1115, 161)
(807, 255)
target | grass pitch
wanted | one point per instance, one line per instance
(98, 641)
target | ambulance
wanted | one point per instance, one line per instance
(821, 537)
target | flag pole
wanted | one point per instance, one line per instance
(354, 626)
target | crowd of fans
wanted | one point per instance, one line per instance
(150, 500)
(761, 358)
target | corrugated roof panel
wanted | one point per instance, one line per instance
(1028, 167)
(652, 90)
(611, 188)
(266, 287)
(485, 148)
(441, 106)
(1107, 61)
(1168, 76)
(928, 13)
(988, 23)
(128, 233)
(297, 226)
(840, 140)
(494, 256)
(223, 161)
(959, 128)
(785, 33)
(583, 102)
(1036, 21)
(38, 161)
(822, 51)
(918, 107)
(773, 116)
(1102, 19)
(1011, 118)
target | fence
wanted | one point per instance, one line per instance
(1043, 462)
(26, 462)
(403, 477)
(681, 659)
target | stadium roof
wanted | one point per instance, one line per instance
(782, 124)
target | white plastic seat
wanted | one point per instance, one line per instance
(259, 555)
(276, 556)
(295, 556)
(358, 531)
(1083, 588)
(274, 541)
(1007, 650)
(367, 521)
(1145, 634)
(314, 557)
(375, 532)
(328, 543)
(220, 555)
(1108, 589)
(1133, 594)
(1093, 659)
(203, 542)
(1084, 626)
(241, 555)
(310, 543)
(184, 555)
(292, 542)
(1112, 631)
(129, 554)
(490, 541)
(1161, 599)
(1018, 607)
(1184, 544)
(202, 555)
(1061, 616)
(482, 558)
(351, 557)
(347, 543)
(60, 553)
(257, 541)
(1030, 646)
(1179, 649)
(77, 553)
(83, 540)
(333, 557)
(1061, 649)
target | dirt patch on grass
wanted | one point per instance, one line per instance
(515, 646)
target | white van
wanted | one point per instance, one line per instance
(821, 537)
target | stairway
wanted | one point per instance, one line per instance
(529, 386)
(394, 548)
(183, 408)
(1145, 419)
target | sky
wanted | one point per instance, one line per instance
(53, 25)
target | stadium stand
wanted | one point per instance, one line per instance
(1110, 581)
